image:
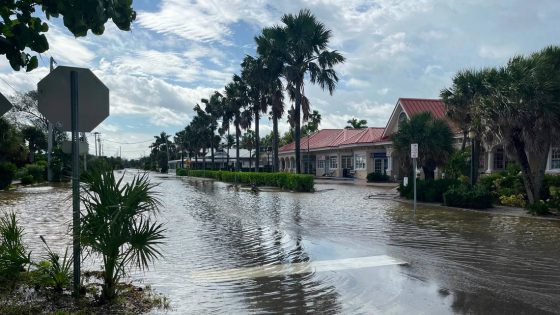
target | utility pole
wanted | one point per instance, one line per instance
(50, 137)
(95, 134)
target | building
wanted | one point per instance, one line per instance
(358, 152)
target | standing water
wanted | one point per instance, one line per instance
(230, 250)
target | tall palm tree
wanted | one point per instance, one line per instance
(214, 111)
(254, 73)
(523, 109)
(354, 123)
(302, 46)
(236, 101)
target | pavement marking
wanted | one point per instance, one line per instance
(296, 268)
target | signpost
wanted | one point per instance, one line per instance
(414, 156)
(5, 105)
(74, 106)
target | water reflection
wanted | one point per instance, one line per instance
(459, 261)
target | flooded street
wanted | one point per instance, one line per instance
(456, 261)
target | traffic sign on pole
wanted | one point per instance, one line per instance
(414, 156)
(5, 105)
(55, 104)
(414, 150)
(74, 99)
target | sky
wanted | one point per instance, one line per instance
(180, 51)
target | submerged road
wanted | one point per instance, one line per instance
(331, 252)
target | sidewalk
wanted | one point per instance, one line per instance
(352, 181)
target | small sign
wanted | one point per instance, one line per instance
(414, 150)
(405, 181)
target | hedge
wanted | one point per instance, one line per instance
(427, 190)
(37, 171)
(463, 196)
(295, 182)
(377, 177)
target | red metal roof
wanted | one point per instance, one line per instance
(328, 138)
(413, 106)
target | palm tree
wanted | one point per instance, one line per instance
(301, 44)
(214, 111)
(117, 223)
(229, 142)
(248, 142)
(236, 101)
(522, 108)
(160, 151)
(255, 75)
(434, 138)
(354, 123)
(36, 139)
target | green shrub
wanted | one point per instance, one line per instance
(295, 182)
(181, 172)
(538, 208)
(27, 180)
(549, 181)
(13, 253)
(458, 165)
(37, 171)
(513, 200)
(463, 196)
(54, 272)
(377, 177)
(7, 173)
(427, 190)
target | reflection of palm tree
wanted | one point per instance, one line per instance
(261, 243)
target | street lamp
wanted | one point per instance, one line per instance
(472, 136)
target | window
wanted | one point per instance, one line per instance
(360, 161)
(499, 159)
(333, 162)
(402, 118)
(377, 164)
(555, 158)
(347, 162)
(321, 164)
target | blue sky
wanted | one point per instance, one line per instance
(180, 51)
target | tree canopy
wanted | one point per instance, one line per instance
(22, 30)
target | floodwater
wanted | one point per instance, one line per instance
(457, 262)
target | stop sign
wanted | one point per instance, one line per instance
(5, 105)
(55, 104)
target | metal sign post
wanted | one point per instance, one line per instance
(75, 181)
(77, 108)
(414, 156)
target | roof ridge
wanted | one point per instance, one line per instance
(420, 99)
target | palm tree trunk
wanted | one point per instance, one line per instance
(275, 143)
(237, 162)
(532, 176)
(227, 155)
(297, 132)
(212, 149)
(250, 159)
(257, 139)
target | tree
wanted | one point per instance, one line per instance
(117, 223)
(522, 108)
(36, 139)
(214, 109)
(160, 151)
(229, 142)
(236, 101)
(23, 31)
(248, 143)
(11, 143)
(354, 123)
(434, 138)
(301, 45)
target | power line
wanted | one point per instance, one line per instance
(127, 142)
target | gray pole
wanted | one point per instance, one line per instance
(414, 175)
(50, 139)
(75, 181)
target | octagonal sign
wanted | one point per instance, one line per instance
(5, 105)
(55, 104)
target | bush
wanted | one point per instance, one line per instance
(54, 272)
(503, 184)
(7, 173)
(181, 172)
(37, 171)
(549, 181)
(463, 196)
(538, 208)
(458, 165)
(27, 180)
(427, 190)
(377, 177)
(13, 253)
(513, 200)
(295, 182)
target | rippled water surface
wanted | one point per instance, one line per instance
(458, 261)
